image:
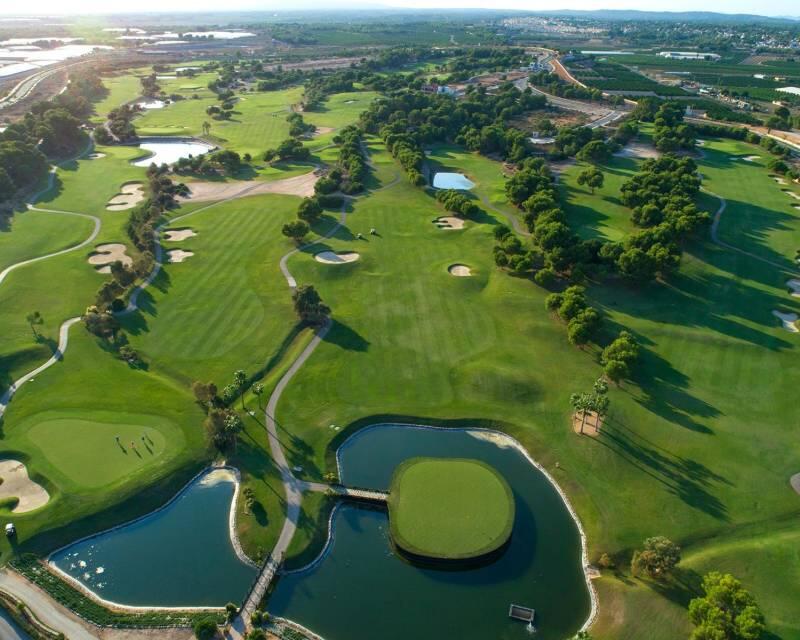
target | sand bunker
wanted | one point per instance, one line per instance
(750, 158)
(96, 156)
(130, 194)
(638, 150)
(795, 482)
(788, 320)
(105, 254)
(794, 285)
(449, 222)
(176, 235)
(592, 424)
(178, 255)
(792, 194)
(701, 143)
(778, 179)
(17, 484)
(321, 131)
(302, 186)
(329, 257)
(459, 270)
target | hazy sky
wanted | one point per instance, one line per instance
(774, 7)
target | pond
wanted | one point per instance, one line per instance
(169, 151)
(152, 104)
(181, 555)
(360, 588)
(443, 180)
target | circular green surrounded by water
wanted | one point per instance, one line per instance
(449, 509)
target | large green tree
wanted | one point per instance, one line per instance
(726, 611)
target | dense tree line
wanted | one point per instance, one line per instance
(552, 83)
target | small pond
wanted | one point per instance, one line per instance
(169, 151)
(181, 555)
(443, 180)
(361, 589)
(152, 104)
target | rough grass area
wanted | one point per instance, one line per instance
(449, 509)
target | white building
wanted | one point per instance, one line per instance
(689, 55)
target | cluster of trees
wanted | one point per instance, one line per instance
(289, 149)
(409, 119)
(592, 178)
(120, 126)
(571, 307)
(619, 357)
(458, 203)
(595, 401)
(150, 86)
(780, 119)
(351, 165)
(309, 306)
(50, 129)
(725, 611)
(671, 132)
(223, 161)
(222, 423)
(299, 127)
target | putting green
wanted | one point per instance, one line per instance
(449, 509)
(84, 447)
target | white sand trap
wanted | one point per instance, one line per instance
(638, 150)
(449, 222)
(788, 320)
(17, 484)
(176, 235)
(796, 206)
(96, 156)
(795, 482)
(178, 255)
(105, 254)
(750, 158)
(701, 143)
(792, 194)
(130, 194)
(778, 179)
(794, 285)
(302, 186)
(459, 270)
(321, 131)
(329, 257)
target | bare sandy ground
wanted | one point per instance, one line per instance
(638, 150)
(176, 235)
(459, 270)
(96, 156)
(178, 255)
(329, 257)
(449, 222)
(591, 426)
(105, 254)
(302, 186)
(130, 194)
(321, 131)
(788, 320)
(17, 484)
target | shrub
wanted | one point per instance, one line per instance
(205, 629)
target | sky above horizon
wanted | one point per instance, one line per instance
(773, 8)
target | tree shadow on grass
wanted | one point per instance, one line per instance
(346, 337)
(687, 479)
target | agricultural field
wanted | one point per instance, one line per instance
(611, 76)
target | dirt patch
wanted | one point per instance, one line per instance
(459, 270)
(177, 235)
(788, 320)
(302, 186)
(105, 254)
(178, 255)
(130, 194)
(321, 131)
(329, 257)
(638, 150)
(449, 222)
(17, 484)
(592, 425)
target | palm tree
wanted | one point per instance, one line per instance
(206, 128)
(240, 380)
(258, 390)
(581, 403)
(34, 318)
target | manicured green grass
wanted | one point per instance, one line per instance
(692, 446)
(340, 109)
(450, 509)
(34, 233)
(84, 446)
(122, 88)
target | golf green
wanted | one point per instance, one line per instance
(94, 449)
(449, 509)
